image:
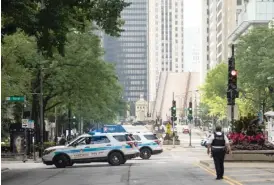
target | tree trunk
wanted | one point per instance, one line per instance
(35, 116)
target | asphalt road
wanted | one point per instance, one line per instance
(168, 168)
(175, 166)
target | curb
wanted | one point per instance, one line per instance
(4, 170)
(20, 161)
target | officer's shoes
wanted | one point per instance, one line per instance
(219, 178)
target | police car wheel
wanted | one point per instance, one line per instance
(145, 153)
(124, 161)
(61, 161)
(70, 164)
(115, 159)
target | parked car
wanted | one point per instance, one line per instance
(204, 141)
(185, 131)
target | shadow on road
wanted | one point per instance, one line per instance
(89, 166)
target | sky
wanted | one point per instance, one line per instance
(192, 39)
(192, 13)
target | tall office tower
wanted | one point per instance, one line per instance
(129, 52)
(192, 49)
(166, 40)
(219, 21)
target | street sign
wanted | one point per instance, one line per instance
(25, 123)
(15, 98)
(31, 124)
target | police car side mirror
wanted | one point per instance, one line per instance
(74, 144)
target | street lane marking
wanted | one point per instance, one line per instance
(225, 177)
(212, 173)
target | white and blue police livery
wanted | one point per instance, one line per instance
(113, 148)
(148, 144)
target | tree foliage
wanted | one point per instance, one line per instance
(16, 50)
(214, 94)
(54, 39)
(51, 20)
(214, 90)
(255, 63)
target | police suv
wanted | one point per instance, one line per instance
(114, 148)
(148, 144)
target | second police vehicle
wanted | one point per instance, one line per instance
(148, 144)
(114, 148)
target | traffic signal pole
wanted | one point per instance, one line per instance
(232, 106)
(232, 90)
(173, 118)
(190, 121)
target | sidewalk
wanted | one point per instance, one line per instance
(210, 164)
(38, 160)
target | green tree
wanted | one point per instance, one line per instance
(51, 20)
(82, 80)
(214, 93)
(16, 50)
(255, 63)
(214, 90)
(15, 78)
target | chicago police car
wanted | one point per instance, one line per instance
(148, 144)
(114, 148)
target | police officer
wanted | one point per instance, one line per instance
(218, 144)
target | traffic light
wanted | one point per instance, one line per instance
(232, 90)
(173, 118)
(190, 117)
(232, 74)
(173, 109)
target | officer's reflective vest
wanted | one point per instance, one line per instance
(219, 140)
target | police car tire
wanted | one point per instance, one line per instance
(143, 151)
(61, 161)
(118, 156)
(70, 164)
(124, 161)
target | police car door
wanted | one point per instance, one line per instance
(81, 149)
(100, 146)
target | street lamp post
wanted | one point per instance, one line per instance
(69, 123)
(41, 111)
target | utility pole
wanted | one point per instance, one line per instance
(56, 128)
(41, 110)
(173, 116)
(195, 111)
(69, 123)
(190, 118)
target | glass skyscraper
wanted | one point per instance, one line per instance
(129, 52)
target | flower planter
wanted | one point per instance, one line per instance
(251, 155)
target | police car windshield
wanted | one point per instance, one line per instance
(150, 137)
(75, 140)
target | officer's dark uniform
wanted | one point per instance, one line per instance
(218, 154)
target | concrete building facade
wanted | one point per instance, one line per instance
(166, 40)
(129, 52)
(219, 21)
(252, 13)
